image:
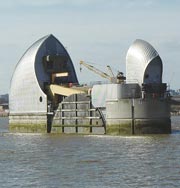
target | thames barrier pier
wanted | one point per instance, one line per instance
(45, 95)
(36, 70)
(142, 104)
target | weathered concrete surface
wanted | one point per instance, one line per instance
(78, 130)
(121, 128)
(25, 128)
(153, 126)
(150, 116)
(28, 123)
(76, 114)
(141, 126)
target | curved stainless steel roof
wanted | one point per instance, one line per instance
(143, 64)
(26, 89)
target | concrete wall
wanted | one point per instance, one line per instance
(28, 122)
(76, 114)
(149, 116)
(101, 93)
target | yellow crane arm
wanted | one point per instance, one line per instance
(110, 71)
(97, 71)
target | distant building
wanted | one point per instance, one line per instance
(4, 98)
(4, 105)
(174, 92)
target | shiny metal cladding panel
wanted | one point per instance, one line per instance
(143, 64)
(27, 83)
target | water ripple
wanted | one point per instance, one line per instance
(52, 161)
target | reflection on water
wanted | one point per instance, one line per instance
(45, 160)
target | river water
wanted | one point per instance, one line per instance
(53, 161)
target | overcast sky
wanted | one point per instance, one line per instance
(97, 31)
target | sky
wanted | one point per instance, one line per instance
(96, 31)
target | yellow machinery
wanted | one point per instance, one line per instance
(64, 91)
(113, 79)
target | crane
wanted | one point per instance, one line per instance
(97, 71)
(110, 71)
(118, 79)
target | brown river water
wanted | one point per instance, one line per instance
(53, 161)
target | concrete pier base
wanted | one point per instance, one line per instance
(76, 115)
(141, 126)
(150, 116)
(28, 123)
(78, 130)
